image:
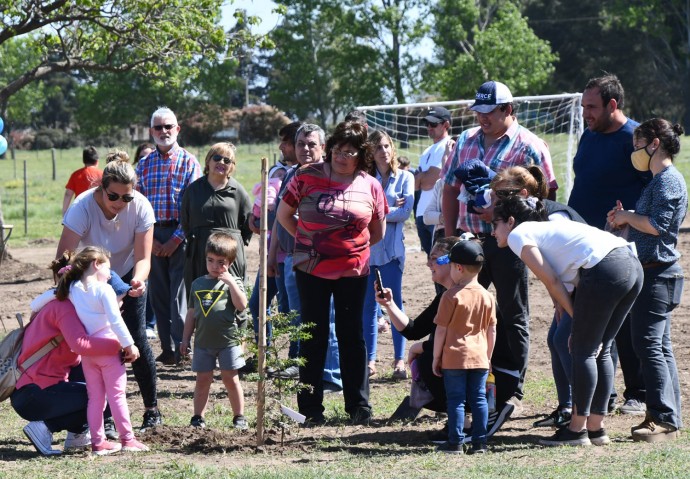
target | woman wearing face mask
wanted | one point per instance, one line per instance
(654, 226)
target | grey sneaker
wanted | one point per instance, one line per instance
(109, 428)
(152, 418)
(240, 422)
(77, 440)
(290, 372)
(41, 438)
(633, 407)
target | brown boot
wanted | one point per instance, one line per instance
(651, 430)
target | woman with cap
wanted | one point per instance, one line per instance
(566, 255)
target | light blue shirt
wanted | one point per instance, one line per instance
(392, 246)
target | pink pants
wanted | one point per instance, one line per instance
(106, 378)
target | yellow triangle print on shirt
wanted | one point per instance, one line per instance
(207, 298)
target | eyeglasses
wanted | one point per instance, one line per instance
(503, 194)
(115, 196)
(345, 154)
(224, 159)
(167, 127)
(441, 260)
(431, 124)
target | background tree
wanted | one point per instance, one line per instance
(479, 40)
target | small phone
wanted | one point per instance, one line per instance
(379, 282)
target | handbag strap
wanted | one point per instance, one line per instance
(49, 346)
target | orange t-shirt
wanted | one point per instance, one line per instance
(467, 312)
(84, 179)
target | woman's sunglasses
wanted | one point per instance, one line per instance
(115, 196)
(224, 159)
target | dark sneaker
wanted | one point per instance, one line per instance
(612, 405)
(652, 431)
(290, 372)
(439, 437)
(498, 418)
(316, 421)
(478, 449)
(41, 438)
(197, 421)
(633, 407)
(599, 438)
(361, 416)
(167, 358)
(449, 448)
(566, 437)
(240, 422)
(152, 418)
(109, 428)
(558, 418)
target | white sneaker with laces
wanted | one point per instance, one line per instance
(41, 438)
(151, 334)
(77, 440)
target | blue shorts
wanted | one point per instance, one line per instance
(230, 358)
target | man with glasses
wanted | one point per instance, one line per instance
(163, 176)
(499, 142)
(438, 123)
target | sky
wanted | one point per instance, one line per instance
(260, 8)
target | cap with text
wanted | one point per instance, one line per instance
(437, 114)
(490, 95)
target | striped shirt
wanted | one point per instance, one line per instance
(517, 147)
(163, 179)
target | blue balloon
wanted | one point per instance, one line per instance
(3, 145)
(2, 124)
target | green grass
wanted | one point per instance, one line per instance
(45, 189)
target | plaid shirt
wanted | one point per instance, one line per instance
(517, 147)
(163, 179)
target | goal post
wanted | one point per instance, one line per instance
(557, 119)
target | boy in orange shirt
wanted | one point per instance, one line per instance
(463, 344)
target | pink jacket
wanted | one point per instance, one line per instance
(59, 318)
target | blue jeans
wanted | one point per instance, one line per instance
(425, 233)
(391, 275)
(605, 295)
(470, 385)
(167, 291)
(331, 371)
(61, 406)
(561, 362)
(271, 291)
(651, 333)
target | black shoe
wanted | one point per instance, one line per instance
(152, 418)
(448, 448)
(240, 422)
(290, 372)
(478, 449)
(558, 418)
(314, 421)
(109, 429)
(197, 421)
(361, 416)
(566, 437)
(439, 437)
(167, 358)
(498, 418)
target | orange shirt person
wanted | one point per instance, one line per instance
(84, 178)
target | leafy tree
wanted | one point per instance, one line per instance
(106, 35)
(481, 40)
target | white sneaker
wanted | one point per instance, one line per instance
(77, 440)
(151, 334)
(41, 438)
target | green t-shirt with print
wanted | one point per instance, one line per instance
(216, 325)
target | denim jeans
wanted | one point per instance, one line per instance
(651, 333)
(561, 362)
(331, 370)
(348, 299)
(605, 295)
(630, 364)
(271, 291)
(425, 233)
(168, 297)
(466, 385)
(61, 406)
(391, 275)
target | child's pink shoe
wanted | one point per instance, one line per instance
(134, 446)
(105, 448)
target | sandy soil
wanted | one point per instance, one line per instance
(24, 275)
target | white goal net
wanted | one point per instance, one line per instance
(557, 119)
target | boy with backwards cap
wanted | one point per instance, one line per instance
(463, 344)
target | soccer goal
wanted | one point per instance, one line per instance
(557, 119)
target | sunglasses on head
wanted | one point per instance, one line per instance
(167, 127)
(224, 159)
(115, 196)
(441, 260)
(503, 194)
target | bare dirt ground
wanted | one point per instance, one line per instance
(24, 275)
